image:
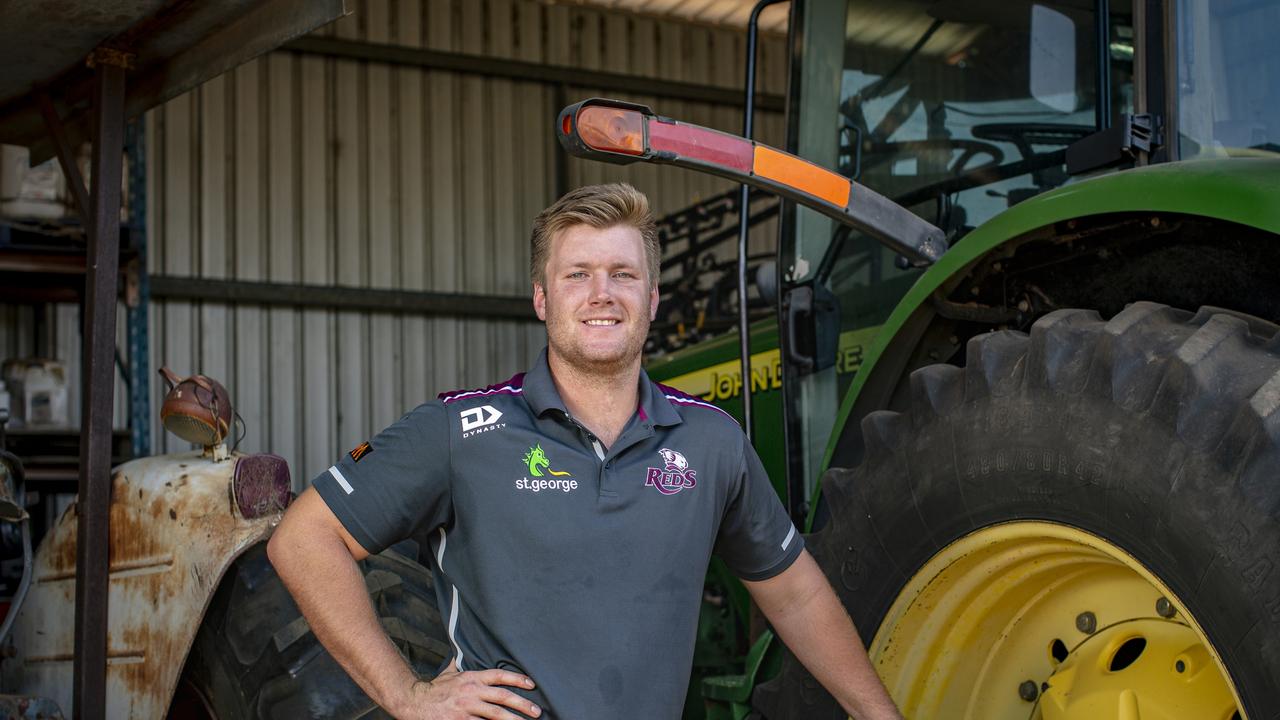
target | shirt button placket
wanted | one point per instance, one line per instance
(595, 448)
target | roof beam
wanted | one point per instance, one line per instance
(562, 75)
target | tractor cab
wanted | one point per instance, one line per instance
(960, 110)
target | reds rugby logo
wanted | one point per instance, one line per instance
(672, 478)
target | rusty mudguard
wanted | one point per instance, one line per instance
(175, 529)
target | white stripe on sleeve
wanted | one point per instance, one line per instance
(790, 536)
(337, 475)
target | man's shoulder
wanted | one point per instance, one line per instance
(697, 411)
(511, 388)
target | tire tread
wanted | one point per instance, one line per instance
(1209, 380)
(256, 657)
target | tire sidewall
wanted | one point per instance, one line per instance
(1079, 461)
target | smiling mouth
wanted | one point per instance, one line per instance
(601, 323)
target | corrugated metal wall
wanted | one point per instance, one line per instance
(303, 169)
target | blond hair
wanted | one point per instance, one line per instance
(601, 207)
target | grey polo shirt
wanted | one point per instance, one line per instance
(580, 566)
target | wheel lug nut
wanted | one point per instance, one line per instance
(1028, 690)
(1086, 622)
(1164, 608)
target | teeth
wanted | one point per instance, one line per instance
(602, 322)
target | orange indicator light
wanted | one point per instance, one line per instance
(612, 129)
(801, 175)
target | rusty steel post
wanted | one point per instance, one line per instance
(99, 336)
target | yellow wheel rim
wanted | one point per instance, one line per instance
(1040, 621)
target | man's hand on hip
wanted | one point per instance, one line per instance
(316, 558)
(457, 695)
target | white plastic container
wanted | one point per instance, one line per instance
(38, 390)
(30, 192)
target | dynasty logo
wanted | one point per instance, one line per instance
(674, 476)
(481, 419)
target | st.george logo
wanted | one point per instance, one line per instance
(537, 461)
(674, 476)
(539, 466)
(481, 419)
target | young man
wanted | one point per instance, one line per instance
(573, 510)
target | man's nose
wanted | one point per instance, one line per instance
(601, 289)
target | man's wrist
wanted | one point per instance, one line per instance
(400, 701)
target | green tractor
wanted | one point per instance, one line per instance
(1041, 468)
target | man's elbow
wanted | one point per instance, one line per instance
(285, 540)
(277, 548)
(793, 589)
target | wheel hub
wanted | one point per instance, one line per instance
(1149, 669)
(1039, 620)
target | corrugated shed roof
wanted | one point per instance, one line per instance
(896, 25)
(176, 45)
(730, 13)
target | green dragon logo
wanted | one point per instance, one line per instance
(537, 460)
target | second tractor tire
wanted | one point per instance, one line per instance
(1157, 430)
(255, 656)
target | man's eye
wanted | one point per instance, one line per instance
(623, 274)
(577, 274)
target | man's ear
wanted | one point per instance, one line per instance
(540, 301)
(653, 304)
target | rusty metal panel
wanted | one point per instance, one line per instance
(174, 532)
(332, 171)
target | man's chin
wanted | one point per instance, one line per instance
(600, 360)
(605, 359)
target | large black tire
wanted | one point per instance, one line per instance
(255, 656)
(1169, 424)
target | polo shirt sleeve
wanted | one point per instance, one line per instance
(399, 482)
(757, 539)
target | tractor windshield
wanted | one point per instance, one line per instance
(1228, 78)
(956, 109)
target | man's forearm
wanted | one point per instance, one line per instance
(328, 587)
(809, 618)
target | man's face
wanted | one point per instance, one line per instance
(596, 301)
